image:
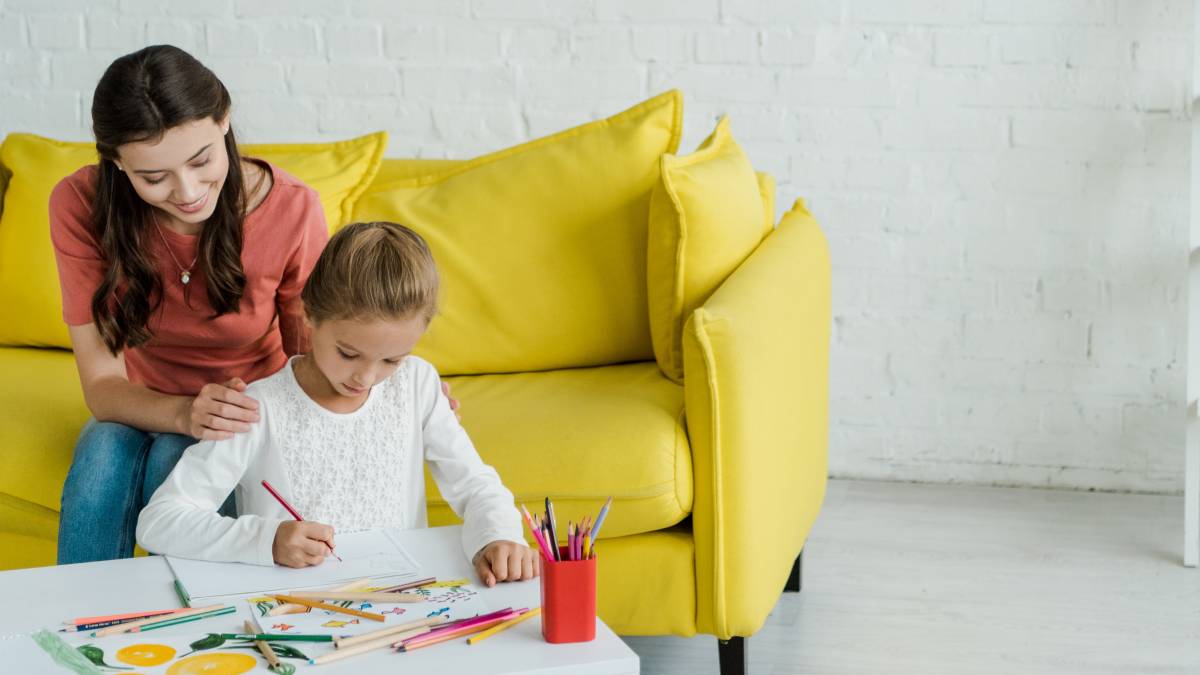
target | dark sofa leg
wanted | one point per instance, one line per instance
(793, 582)
(732, 655)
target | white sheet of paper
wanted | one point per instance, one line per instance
(373, 553)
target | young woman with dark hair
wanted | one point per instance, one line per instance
(181, 264)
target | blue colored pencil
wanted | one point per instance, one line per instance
(599, 522)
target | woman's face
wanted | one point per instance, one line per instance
(182, 172)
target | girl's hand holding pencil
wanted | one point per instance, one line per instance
(302, 543)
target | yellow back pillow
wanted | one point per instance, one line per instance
(706, 216)
(541, 247)
(30, 299)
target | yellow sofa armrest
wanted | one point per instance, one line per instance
(756, 387)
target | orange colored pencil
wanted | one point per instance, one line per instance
(332, 608)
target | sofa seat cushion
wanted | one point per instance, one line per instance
(41, 413)
(579, 436)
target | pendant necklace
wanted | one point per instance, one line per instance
(185, 274)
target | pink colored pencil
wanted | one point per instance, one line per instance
(537, 537)
(278, 497)
(118, 617)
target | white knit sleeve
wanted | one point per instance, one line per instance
(181, 518)
(472, 488)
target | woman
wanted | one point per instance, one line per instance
(181, 266)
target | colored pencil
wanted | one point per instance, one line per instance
(282, 637)
(267, 652)
(404, 587)
(332, 608)
(423, 641)
(183, 594)
(288, 608)
(599, 521)
(537, 538)
(370, 596)
(134, 625)
(292, 511)
(383, 632)
(553, 529)
(363, 647)
(184, 619)
(503, 626)
(452, 626)
(130, 616)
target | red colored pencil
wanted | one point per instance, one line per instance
(292, 511)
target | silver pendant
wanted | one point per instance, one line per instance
(185, 278)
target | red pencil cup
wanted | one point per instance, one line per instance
(569, 600)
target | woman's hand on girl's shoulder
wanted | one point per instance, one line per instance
(506, 561)
(219, 411)
(454, 404)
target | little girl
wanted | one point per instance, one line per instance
(345, 431)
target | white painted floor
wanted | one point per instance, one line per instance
(902, 578)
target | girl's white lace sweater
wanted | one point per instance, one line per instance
(353, 471)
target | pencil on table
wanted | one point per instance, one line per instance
(383, 632)
(503, 626)
(328, 607)
(267, 652)
(291, 608)
(370, 645)
(402, 587)
(134, 625)
(172, 621)
(377, 596)
(419, 641)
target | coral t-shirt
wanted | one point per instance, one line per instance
(282, 239)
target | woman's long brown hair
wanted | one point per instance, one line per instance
(139, 98)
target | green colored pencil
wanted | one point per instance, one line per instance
(283, 637)
(183, 594)
(185, 619)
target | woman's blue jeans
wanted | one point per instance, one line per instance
(115, 471)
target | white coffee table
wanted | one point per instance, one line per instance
(43, 597)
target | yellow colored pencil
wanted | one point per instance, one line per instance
(331, 608)
(503, 626)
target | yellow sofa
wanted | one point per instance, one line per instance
(716, 479)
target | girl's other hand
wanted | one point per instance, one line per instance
(301, 543)
(219, 411)
(506, 561)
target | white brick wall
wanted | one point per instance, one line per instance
(1003, 183)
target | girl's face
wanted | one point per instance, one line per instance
(357, 355)
(182, 172)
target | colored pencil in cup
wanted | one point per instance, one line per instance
(599, 521)
(503, 626)
(328, 607)
(537, 538)
(553, 529)
(292, 511)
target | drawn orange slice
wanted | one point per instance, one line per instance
(220, 663)
(145, 654)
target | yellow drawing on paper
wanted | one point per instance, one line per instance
(334, 623)
(220, 663)
(448, 584)
(145, 654)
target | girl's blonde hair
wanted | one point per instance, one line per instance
(374, 270)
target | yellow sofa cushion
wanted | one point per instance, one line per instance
(541, 247)
(706, 216)
(30, 300)
(580, 436)
(41, 413)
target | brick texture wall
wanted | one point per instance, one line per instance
(1003, 183)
